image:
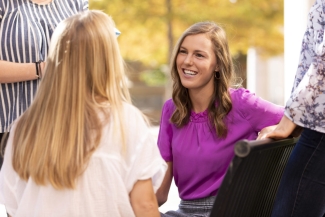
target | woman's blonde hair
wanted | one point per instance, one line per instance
(220, 104)
(84, 80)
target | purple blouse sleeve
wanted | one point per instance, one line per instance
(165, 132)
(257, 111)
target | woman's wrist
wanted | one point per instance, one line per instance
(40, 66)
(39, 73)
(285, 127)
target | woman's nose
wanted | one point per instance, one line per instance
(188, 60)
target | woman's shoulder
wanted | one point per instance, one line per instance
(169, 102)
(131, 111)
(169, 105)
(249, 104)
(130, 107)
(168, 109)
(243, 99)
(239, 94)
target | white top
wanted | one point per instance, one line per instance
(104, 187)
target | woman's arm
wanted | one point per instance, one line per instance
(143, 200)
(162, 192)
(15, 72)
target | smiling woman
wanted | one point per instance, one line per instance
(201, 123)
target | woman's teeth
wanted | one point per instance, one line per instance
(188, 72)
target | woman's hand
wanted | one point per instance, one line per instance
(283, 130)
(265, 130)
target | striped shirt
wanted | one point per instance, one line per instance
(25, 32)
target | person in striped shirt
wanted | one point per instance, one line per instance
(26, 27)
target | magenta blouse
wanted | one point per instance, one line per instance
(200, 158)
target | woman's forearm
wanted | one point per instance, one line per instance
(15, 72)
(143, 199)
(162, 192)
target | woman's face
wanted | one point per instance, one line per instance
(196, 63)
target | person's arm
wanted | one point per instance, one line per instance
(15, 72)
(283, 130)
(143, 200)
(162, 192)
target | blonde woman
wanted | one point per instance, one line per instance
(81, 148)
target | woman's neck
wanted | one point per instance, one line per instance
(200, 101)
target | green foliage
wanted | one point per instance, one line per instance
(154, 77)
(144, 24)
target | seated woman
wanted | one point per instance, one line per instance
(81, 148)
(205, 118)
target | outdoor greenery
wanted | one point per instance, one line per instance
(144, 24)
(150, 28)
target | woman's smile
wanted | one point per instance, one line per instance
(189, 72)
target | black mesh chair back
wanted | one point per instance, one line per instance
(251, 182)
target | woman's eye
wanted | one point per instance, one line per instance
(199, 55)
(182, 51)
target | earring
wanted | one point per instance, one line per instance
(217, 75)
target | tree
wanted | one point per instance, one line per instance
(150, 28)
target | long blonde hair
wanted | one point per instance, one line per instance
(84, 78)
(221, 95)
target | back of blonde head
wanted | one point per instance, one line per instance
(84, 77)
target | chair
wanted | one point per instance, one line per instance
(251, 182)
